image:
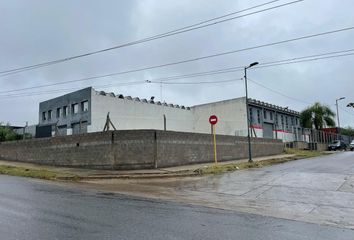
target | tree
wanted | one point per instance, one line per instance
(349, 131)
(7, 134)
(317, 116)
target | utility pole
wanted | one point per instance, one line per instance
(161, 92)
(338, 122)
(24, 131)
(248, 114)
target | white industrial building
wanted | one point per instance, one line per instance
(86, 111)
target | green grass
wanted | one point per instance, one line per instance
(34, 173)
(303, 153)
(222, 168)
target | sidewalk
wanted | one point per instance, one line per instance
(82, 173)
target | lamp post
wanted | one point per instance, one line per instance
(248, 114)
(338, 122)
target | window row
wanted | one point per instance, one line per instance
(64, 111)
(284, 120)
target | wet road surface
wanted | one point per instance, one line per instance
(317, 190)
(31, 209)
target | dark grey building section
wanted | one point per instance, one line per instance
(268, 116)
(43, 131)
(70, 111)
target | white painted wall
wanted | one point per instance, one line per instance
(259, 132)
(231, 116)
(129, 114)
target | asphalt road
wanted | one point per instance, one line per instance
(31, 209)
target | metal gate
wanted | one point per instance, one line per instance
(79, 127)
(268, 130)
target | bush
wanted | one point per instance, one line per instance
(7, 134)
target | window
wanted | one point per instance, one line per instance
(282, 120)
(59, 112)
(292, 121)
(271, 115)
(49, 114)
(251, 115)
(44, 116)
(74, 108)
(84, 106)
(286, 121)
(264, 114)
(296, 121)
(259, 116)
(65, 111)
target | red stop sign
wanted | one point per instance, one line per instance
(213, 119)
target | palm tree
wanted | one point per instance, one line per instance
(317, 116)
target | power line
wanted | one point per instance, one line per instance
(195, 83)
(309, 56)
(305, 60)
(278, 92)
(261, 65)
(350, 113)
(226, 53)
(205, 73)
(70, 89)
(111, 85)
(290, 97)
(264, 65)
(192, 27)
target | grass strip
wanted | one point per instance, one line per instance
(34, 173)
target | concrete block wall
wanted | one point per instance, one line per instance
(298, 145)
(133, 149)
(86, 150)
(322, 147)
(308, 146)
(179, 148)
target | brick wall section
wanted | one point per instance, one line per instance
(179, 148)
(133, 149)
(91, 150)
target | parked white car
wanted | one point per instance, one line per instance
(351, 146)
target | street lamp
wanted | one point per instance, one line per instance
(338, 123)
(248, 114)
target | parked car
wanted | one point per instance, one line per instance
(351, 146)
(337, 145)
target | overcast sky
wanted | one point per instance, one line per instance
(35, 31)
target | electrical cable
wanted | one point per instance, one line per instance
(206, 73)
(158, 36)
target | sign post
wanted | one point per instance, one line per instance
(213, 120)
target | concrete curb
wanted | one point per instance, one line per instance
(132, 176)
(173, 172)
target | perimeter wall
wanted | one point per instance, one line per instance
(134, 149)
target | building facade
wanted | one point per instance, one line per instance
(271, 121)
(86, 111)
